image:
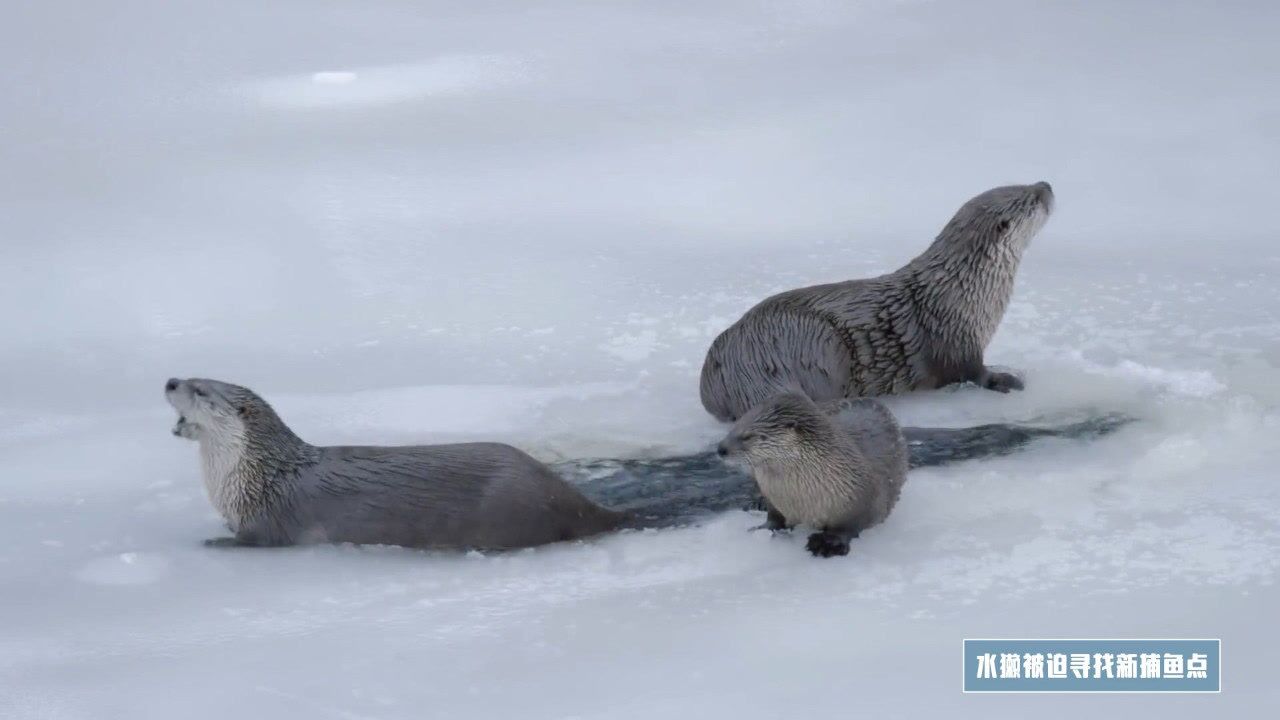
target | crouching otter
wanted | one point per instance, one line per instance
(272, 488)
(838, 468)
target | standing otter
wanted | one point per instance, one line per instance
(838, 468)
(923, 326)
(274, 489)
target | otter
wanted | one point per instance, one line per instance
(838, 468)
(920, 327)
(274, 489)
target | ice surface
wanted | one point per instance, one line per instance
(418, 222)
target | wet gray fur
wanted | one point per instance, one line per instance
(275, 489)
(838, 468)
(923, 326)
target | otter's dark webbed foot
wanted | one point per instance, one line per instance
(1001, 382)
(828, 544)
(775, 523)
(243, 538)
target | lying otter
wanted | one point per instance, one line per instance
(923, 326)
(838, 469)
(272, 488)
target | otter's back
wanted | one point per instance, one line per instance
(826, 341)
(473, 495)
(879, 438)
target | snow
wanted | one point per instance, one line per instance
(384, 85)
(411, 222)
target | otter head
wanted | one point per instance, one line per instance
(210, 410)
(244, 445)
(1007, 216)
(784, 428)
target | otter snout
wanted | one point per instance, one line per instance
(731, 445)
(1044, 193)
(731, 450)
(178, 393)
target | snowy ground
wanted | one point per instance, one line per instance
(416, 222)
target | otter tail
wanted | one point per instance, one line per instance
(679, 490)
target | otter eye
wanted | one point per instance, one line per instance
(242, 410)
(1003, 225)
(747, 437)
(201, 393)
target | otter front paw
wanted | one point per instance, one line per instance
(184, 429)
(775, 523)
(1002, 382)
(827, 544)
(775, 531)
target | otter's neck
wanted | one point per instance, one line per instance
(961, 291)
(246, 468)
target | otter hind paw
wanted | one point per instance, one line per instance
(827, 544)
(1002, 382)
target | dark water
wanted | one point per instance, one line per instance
(680, 489)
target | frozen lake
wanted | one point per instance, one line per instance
(424, 222)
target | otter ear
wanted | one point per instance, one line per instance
(1003, 226)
